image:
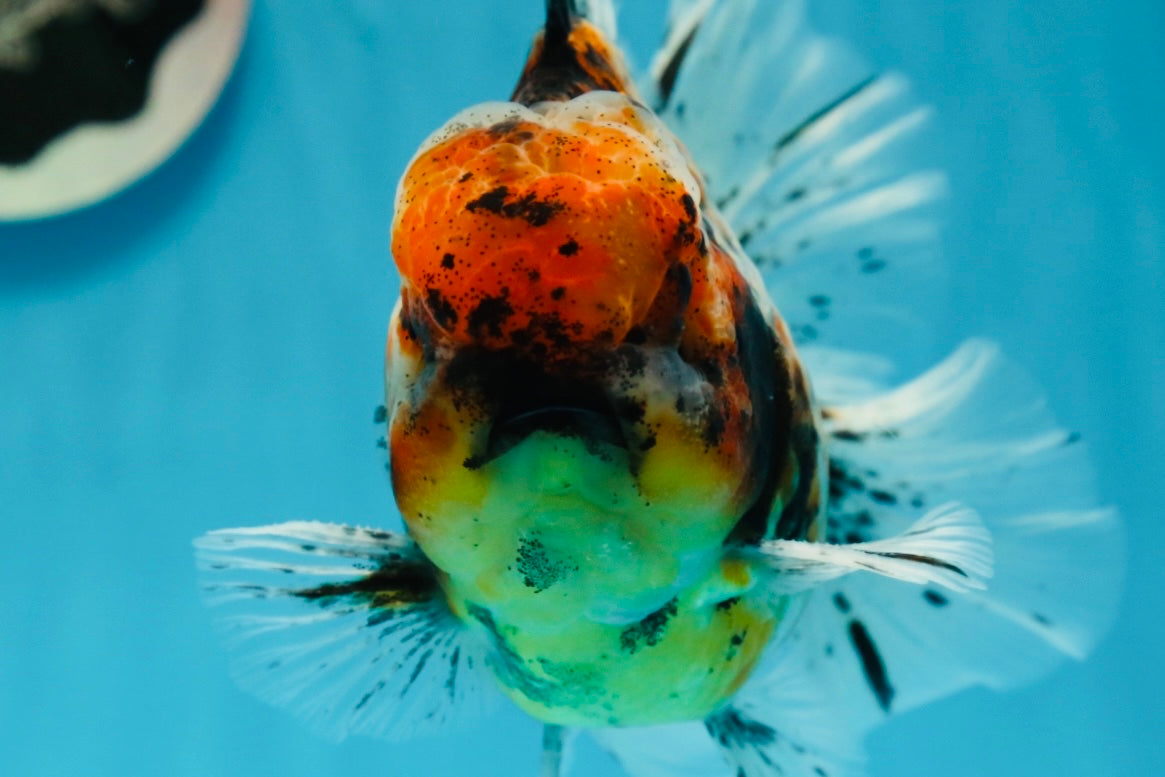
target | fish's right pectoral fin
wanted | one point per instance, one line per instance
(346, 627)
(949, 547)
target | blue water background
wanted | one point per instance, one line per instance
(205, 350)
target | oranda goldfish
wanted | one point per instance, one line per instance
(642, 498)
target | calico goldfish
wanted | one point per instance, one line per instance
(651, 489)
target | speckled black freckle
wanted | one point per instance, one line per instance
(883, 497)
(569, 248)
(447, 261)
(727, 604)
(689, 206)
(464, 177)
(558, 292)
(534, 276)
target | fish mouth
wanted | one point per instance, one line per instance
(595, 428)
(560, 405)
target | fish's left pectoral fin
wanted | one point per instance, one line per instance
(346, 627)
(949, 546)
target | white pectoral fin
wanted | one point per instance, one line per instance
(949, 547)
(344, 626)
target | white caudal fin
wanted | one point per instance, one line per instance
(817, 162)
(345, 627)
(948, 546)
(600, 13)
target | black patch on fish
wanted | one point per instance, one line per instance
(762, 368)
(648, 631)
(380, 415)
(934, 598)
(489, 314)
(667, 78)
(399, 582)
(569, 248)
(492, 201)
(538, 570)
(841, 603)
(727, 604)
(90, 65)
(440, 308)
(735, 731)
(821, 113)
(447, 261)
(872, 664)
(928, 560)
(533, 211)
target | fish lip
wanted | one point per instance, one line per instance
(579, 411)
(593, 427)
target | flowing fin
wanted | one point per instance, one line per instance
(346, 627)
(865, 647)
(949, 546)
(974, 429)
(815, 161)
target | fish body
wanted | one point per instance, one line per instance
(626, 506)
(588, 398)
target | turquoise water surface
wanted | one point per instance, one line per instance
(205, 350)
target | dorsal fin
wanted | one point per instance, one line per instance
(569, 57)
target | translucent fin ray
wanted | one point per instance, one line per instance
(345, 627)
(972, 429)
(825, 180)
(949, 547)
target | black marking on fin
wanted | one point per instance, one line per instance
(872, 664)
(928, 560)
(934, 598)
(667, 78)
(821, 113)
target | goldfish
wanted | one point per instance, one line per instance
(652, 487)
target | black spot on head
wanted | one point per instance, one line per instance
(558, 292)
(440, 308)
(464, 177)
(489, 315)
(689, 206)
(447, 261)
(569, 248)
(492, 201)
